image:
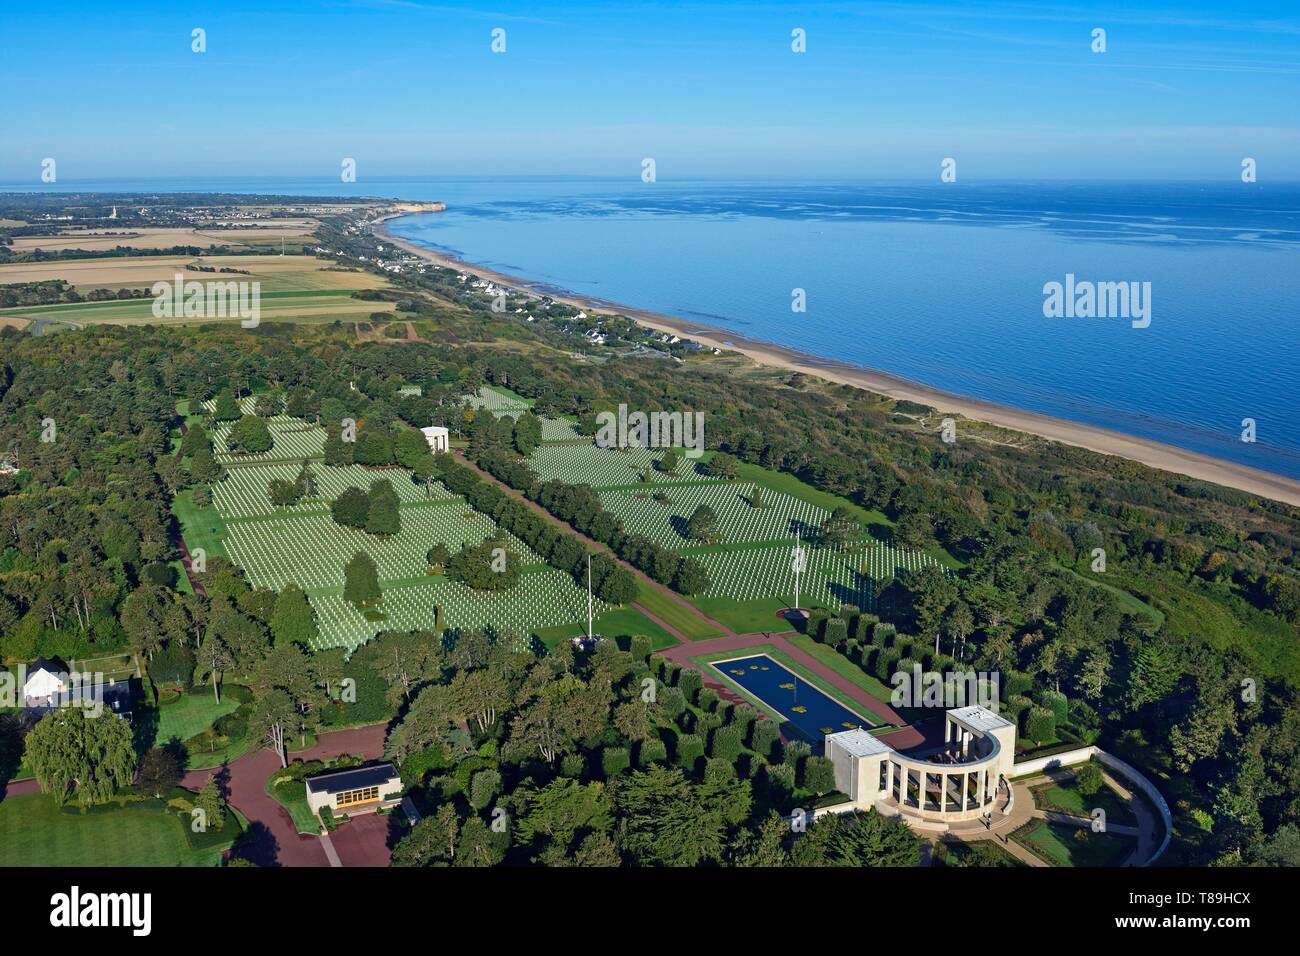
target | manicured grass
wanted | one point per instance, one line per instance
(746, 617)
(292, 795)
(1066, 798)
(189, 715)
(842, 666)
(676, 616)
(1065, 845)
(620, 622)
(35, 832)
(200, 527)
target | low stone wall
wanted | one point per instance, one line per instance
(1115, 765)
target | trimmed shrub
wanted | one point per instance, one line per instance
(1040, 724)
(819, 775)
(835, 632)
(706, 722)
(779, 779)
(1017, 683)
(796, 751)
(1057, 703)
(483, 788)
(691, 682)
(652, 751)
(886, 663)
(690, 748)
(707, 700)
(614, 760)
(639, 647)
(764, 734)
(727, 743)
(572, 765)
(671, 701)
(882, 634)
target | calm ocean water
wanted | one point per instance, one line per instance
(942, 284)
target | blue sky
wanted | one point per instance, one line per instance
(885, 90)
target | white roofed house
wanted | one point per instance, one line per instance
(45, 681)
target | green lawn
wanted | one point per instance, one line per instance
(620, 622)
(1066, 845)
(1065, 797)
(35, 832)
(292, 795)
(746, 617)
(201, 527)
(673, 614)
(190, 715)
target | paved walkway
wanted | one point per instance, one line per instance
(278, 841)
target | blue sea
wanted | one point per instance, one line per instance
(938, 283)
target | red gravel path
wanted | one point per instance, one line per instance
(363, 841)
(248, 776)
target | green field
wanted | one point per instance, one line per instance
(618, 623)
(1065, 845)
(189, 715)
(318, 305)
(1065, 797)
(200, 527)
(36, 832)
(692, 627)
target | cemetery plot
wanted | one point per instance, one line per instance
(310, 550)
(292, 440)
(664, 522)
(542, 598)
(559, 429)
(832, 577)
(497, 402)
(503, 404)
(607, 467)
(242, 493)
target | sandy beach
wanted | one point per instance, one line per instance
(1153, 454)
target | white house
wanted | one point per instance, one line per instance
(439, 438)
(45, 681)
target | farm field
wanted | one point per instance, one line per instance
(276, 273)
(162, 237)
(274, 307)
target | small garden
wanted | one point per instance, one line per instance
(1063, 844)
(288, 787)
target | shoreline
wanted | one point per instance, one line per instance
(1103, 441)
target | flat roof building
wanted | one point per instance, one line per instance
(358, 790)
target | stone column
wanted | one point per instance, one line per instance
(983, 779)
